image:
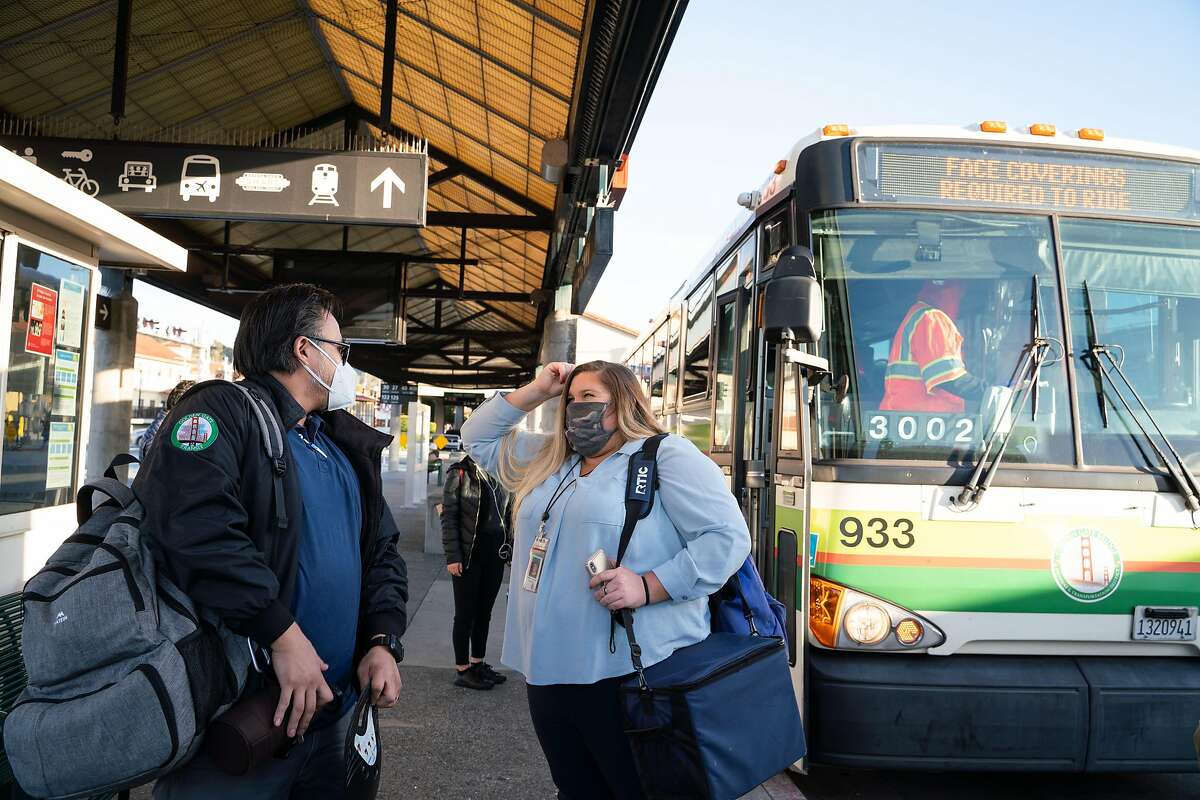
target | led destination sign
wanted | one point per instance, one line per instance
(1026, 178)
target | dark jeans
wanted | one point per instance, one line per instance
(581, 733)
(474, 595)
(315, 769)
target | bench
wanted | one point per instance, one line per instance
(12, 682)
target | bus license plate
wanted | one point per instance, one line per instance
(1164, 623)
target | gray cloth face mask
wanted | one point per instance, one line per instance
(585, 427)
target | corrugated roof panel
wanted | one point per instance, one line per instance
(452, 15)
(554, 58)
(507, 33)
(565, 11)
(425, 94)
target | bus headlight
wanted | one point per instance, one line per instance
(843, 618)
(867, 623)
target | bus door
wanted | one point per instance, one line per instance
(790, 445)
(761, 353)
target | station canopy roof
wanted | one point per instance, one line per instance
(482, 83)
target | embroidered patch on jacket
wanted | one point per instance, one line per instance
(194, 432)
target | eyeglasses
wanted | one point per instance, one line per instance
(343, 347)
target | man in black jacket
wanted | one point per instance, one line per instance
(478, 543)
(321, 585)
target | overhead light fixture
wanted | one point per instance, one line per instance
(554, 159)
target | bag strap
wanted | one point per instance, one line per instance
(640, 485)
(120, 460)
(272, 441)
(109, 487)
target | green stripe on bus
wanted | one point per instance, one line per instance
(1010, 591)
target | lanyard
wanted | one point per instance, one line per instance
(559, 491)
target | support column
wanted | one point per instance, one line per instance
(395, 449)
(558, 344)
(112, 382)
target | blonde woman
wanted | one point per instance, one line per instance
(569, 495)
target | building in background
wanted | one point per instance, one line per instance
(168, 354)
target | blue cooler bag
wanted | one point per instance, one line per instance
(714, 720)
(717, 718)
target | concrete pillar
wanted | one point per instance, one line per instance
(558, 344)
(439, 412)
(395, 450)
(459, 418)
(112, 384)
(417, 465)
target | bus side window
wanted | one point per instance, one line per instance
(658, 359)
(775, 238)
(674, 338)
(726, 350)
(696, 367)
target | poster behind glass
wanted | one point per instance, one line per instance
(42, 400)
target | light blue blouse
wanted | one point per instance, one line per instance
(694, 539)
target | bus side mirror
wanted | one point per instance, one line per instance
(793, 297)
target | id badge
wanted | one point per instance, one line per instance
(537, 558)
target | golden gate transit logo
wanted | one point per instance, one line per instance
(1087, 565)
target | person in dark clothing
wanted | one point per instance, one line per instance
(475, 534)
(312, 576)
(146, 441)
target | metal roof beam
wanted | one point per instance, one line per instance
(454, 294)
(443, 175)
(389, 67)
(52, 27)
(508, 222)
(258, 29)
(250, 96)
(427, 74)
(121, 60)
(471, 173)
(538, 14)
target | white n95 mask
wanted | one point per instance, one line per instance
(341, 391)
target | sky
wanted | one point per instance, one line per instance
(745, 80)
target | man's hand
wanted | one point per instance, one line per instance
(298, 669)
(378, 672)
(455, 569)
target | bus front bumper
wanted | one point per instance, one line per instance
(1019, 713)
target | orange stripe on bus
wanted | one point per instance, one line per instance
(950, 562)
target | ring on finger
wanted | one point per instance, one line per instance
(604, 587)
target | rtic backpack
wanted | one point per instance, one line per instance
(742, 605)
(124, 673)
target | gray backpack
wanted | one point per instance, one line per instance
(124, 673)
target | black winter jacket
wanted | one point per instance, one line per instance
(462, 510)
(210, 509)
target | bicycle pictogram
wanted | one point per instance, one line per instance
(79, 179)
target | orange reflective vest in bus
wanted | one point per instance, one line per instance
(926, 353)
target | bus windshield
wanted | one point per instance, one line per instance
(1143, 283)
(928, 316)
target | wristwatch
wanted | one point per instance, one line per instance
(391, 642)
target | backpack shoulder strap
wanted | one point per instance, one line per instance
(640, 484)
(272, 441)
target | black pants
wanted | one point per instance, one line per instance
(580, 730)
(474, 595)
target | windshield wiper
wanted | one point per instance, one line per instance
(1025, 380)
(1103, 364)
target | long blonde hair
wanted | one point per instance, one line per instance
(634, 421)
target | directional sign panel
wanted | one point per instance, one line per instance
(217, 182)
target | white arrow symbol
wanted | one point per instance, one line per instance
(387, 179)
(103, 310)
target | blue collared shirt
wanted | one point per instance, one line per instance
(329, 573)
(694, 538)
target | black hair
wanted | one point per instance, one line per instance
(271, 323)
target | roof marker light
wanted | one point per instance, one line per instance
(1042, 129)
(1095, 134)
(993, 126)
(780, 166)
(835, 130)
